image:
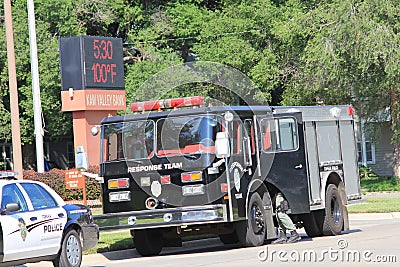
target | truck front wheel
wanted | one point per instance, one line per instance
(311, 223)
(148, 242)
(333, 222)
(251, 232)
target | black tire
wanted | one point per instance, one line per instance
(148, 242)
(71, 251)
(251, 232)
(333, 222)
(311, 224)
(230, 238)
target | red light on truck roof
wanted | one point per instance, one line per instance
(166, 104)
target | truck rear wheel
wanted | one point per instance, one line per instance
(333, 222)
(251, 232)
(148, 242)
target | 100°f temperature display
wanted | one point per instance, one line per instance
(103, 62)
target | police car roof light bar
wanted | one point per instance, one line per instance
(167, 103)
(8, 175)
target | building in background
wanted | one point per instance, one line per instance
(374, 146)
(59, 153)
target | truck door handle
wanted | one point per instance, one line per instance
(300, 166)
(33, 219)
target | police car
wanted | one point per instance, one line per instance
(36, 224)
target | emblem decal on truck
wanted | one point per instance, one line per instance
(237, 169)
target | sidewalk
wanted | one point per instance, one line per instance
(100, 259)
(388, 194)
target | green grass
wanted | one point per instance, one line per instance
(378, 205)
(379, 184)
(111, 241)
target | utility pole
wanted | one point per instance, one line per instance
(37, 107)
(12, 81)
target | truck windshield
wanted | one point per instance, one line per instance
(128, 140)
(186, 135)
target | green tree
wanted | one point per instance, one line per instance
(351, 56)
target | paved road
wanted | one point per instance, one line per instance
(373, 239)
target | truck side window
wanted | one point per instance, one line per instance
(266, 135)
(287, 129)
(248, 125)
(279, 134)
(115, 147)
(113, 137)
(237, 136)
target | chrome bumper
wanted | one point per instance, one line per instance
(162, 217)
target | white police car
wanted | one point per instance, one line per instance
(36, 224)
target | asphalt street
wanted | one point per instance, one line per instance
(372, 240)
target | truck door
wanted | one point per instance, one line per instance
(239, 166)
(282, 157)
(349, 156)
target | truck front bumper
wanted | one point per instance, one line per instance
(162, 217)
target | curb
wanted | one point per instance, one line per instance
(374, 216)
(100, 259)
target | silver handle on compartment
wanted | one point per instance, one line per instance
(300, 166)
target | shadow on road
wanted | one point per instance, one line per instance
(197, 246)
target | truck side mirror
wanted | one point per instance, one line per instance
(222, 147)
(94, 130)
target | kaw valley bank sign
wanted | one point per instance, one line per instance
(104, 100)
(92, 86)
(94, 100)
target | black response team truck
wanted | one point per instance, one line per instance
(170, 170)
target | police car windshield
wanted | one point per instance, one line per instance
(186, 135)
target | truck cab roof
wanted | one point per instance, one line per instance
(240, 110)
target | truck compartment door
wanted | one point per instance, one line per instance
(350, 171)
(313, 163)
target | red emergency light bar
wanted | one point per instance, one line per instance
(167, 103)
